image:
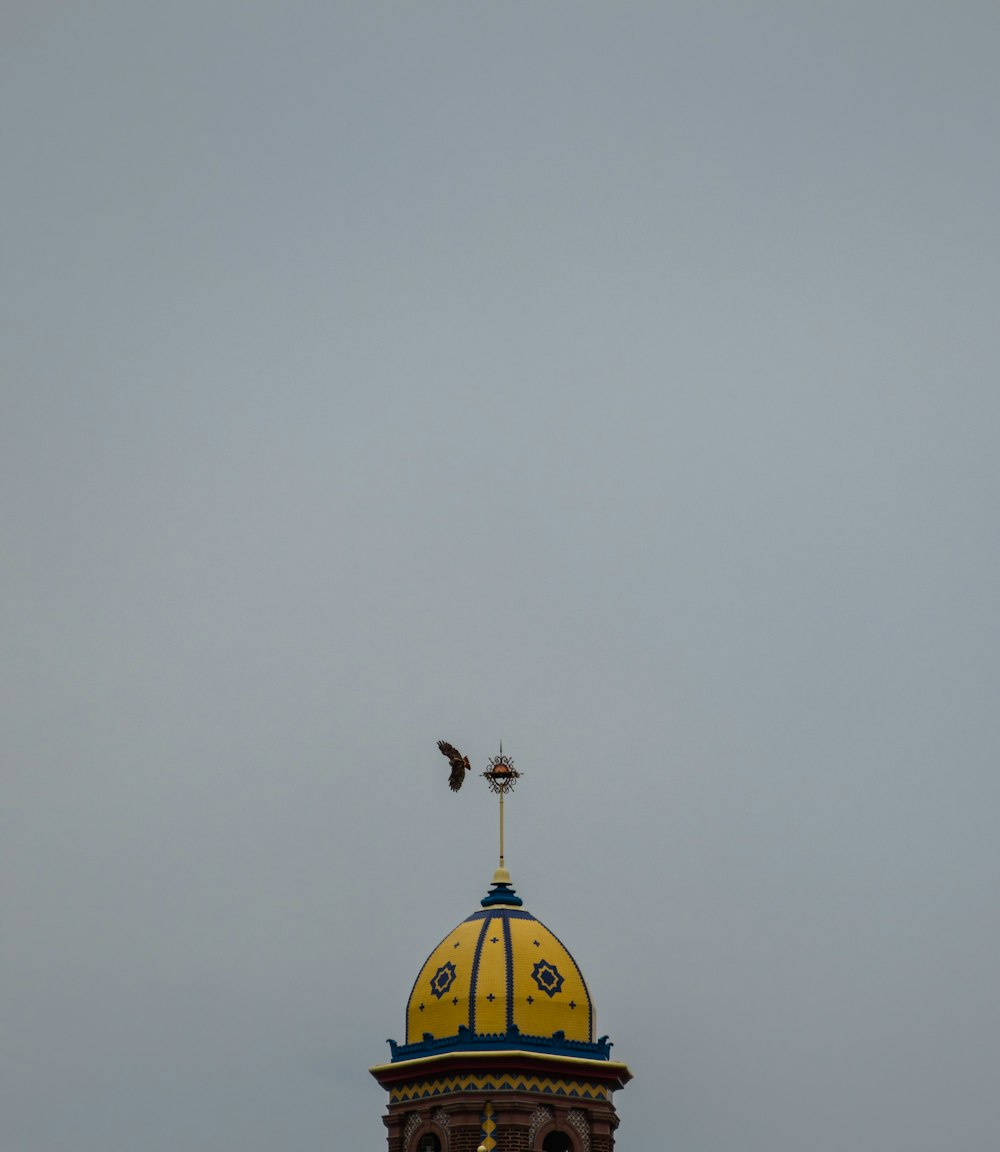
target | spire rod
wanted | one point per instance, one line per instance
(501, 776)
(501, 830)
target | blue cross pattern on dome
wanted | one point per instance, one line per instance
(443, 979)
(547, 977)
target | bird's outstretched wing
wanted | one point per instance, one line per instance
(459, 764)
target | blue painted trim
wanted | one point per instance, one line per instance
(469, 1041)
(509, 969)
(475, 975)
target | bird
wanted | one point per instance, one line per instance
(459, 764)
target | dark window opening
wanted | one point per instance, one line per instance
(428, 1143)
(557, 1142)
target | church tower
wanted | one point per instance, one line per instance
(500, 1052)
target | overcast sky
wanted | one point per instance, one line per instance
(618, 380)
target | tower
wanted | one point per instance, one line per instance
(500, 1051)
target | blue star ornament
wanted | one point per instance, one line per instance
(548, 978)
(443, 979)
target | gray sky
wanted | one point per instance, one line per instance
(618, 380)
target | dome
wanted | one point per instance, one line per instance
(501, 978)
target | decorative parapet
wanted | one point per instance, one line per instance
(513, 1039)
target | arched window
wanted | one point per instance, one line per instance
(428, 1143)
(557, 1142)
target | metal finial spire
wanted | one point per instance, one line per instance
(501, 777)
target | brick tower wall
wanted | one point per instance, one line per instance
(522, 1122)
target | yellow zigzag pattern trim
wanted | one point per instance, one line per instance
(505, 1082)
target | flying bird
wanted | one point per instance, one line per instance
(459, 764)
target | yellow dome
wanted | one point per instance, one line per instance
(501, 974)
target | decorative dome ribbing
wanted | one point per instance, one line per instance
(501, 979)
